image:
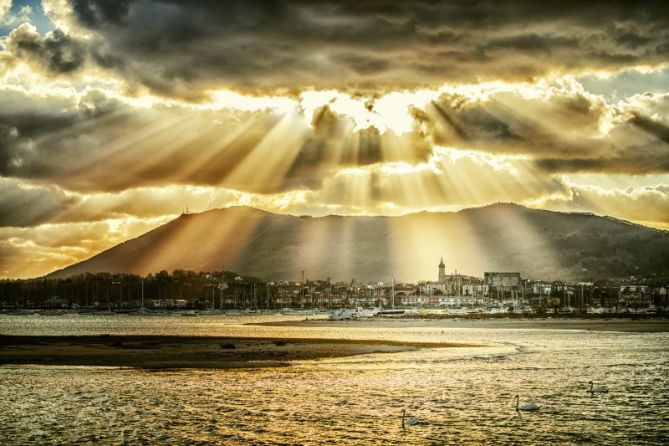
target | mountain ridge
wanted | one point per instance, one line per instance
(500, 236)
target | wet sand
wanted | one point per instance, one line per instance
(166, 352)
(657, 325)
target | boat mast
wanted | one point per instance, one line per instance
(392, 292)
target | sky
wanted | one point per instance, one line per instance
(117, 116)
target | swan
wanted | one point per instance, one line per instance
(409, 421)
(597, 389)
(529, 407)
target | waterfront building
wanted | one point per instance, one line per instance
(505, 280)
(455, 284)
(442, 271)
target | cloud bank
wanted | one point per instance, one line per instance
(118, 115)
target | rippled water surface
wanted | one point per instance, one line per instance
(464, 395)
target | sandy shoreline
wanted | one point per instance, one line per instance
(658, 325)
(163, 352)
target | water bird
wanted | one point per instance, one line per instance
(409, 421)
(597, 389)
(529, 407)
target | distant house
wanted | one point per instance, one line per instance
(169, 303)
(57, 302)
(505, 280)
(662, 295)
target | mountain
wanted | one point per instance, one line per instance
(500, 237)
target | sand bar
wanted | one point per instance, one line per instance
(164, 352)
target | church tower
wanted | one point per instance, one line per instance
(442, 271)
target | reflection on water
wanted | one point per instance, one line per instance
(465, 395)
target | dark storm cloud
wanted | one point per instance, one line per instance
(637, 146)
(532, 43)
(651, 126)
(93, 143)
(28, 206)
(560, 132)
(42, 136)
(634, 166)
(96, 14)
(182, 48)
(56, 53)
(508, 122)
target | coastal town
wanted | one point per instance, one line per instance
(456, 294)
